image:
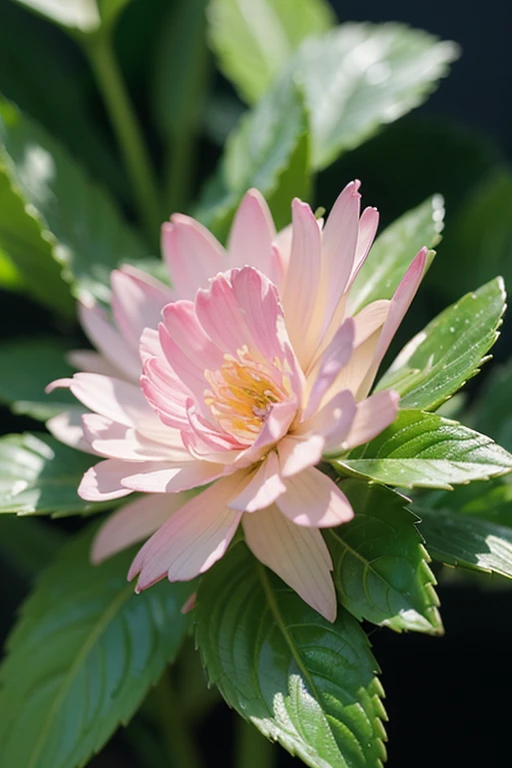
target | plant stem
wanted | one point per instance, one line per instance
(252, 750)
(126, 128)
(180, 170)
(174, 728)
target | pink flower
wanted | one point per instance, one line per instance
(247, 383)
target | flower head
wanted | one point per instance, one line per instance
(254, 373)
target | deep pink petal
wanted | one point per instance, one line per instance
(192, 254)
(251, 236)
(194, 538)
(314, 500)
(263, 489)
(298, 555)
(133, 523)
(374, 414)
(103, 481)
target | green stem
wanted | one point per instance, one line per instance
(127, 130)
(252, 750)
(174, 728)
(180, 171)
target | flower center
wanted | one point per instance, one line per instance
(242, 393)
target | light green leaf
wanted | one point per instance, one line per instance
(393, 251)
(267, 152)
(380, 564)
(82, 657)
(78, 16)
(253, 39)
(359, 77)
(76, 220)
(39, 475)
(27, 366)
(424, 450)
(449, 351)
(466, 541)
(300, 680)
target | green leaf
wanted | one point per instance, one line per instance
(449, 351)
(82, 657)
(466, 541)
(77, 220)
(492, 412)
(380, 564)
(424, 450)
(265, 151)
(39, 475)
(254, 40)
(300, 680)
(29, 544)
(359, 77)
(394, 250)
(77, 16)
(27, 366)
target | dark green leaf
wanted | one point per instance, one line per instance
(302, 681)
(380, 564)
(265, 151)
(82, 657)
(424, 450)
(27, 366)
(466, 541)
(449, 351)
(28, 543)
(358, 77)
(39, 475)
(492, 412)
(83, 228)
(253, 41)
(394, 250)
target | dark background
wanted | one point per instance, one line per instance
(448, 698)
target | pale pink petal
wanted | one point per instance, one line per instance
(368, 224)
(400, 303)
(133, 523)
(67, 427)
(339, 244)
(314, 500)
(192, 254)
(283, 246)
(251, 236)
(149, 345)
(263, 489)
(332, 361)
(370, 319)
(298, 555)
(117, 441)
(103, 481)
(334, 421)
(107, 339)
(165, 392)
(355, 371)
(91, 362)
(374, 414)
(297, 452)
(275, 427)
(167, 477)
(302, 279)
(194, 538)
(137, 302)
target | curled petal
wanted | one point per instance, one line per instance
(103, 481)
(312, 499)
(263, 489)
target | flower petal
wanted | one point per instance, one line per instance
(297, 452)
(192, 254)
(373, 414)
(251, 236)
(312, 499)
(117, 441)
(137, 302)
(368, 224)
(67, 427)
(332, 361)
(167, 477)
(133, 523)
(194, 538)
(298, 555)
(91, 362)
(102, 482)
(334, 421)
(263, 489)
(107, 339)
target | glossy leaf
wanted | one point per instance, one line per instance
(393, 251)
(85, 231)
(466, 541)
(300, 680)
(28, 365)
(253, 40)
(79, 16)
(381, 567)
(449, 351)
(39, 475)
(82, 657)
(265, 151)
(427, 451)
(359, 77)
